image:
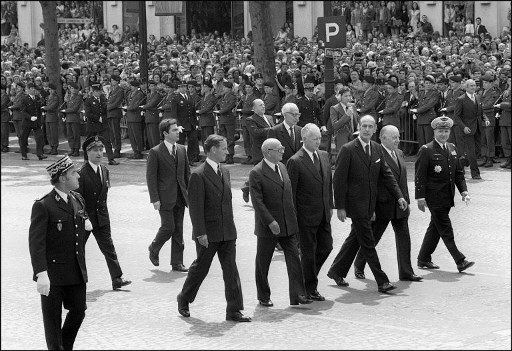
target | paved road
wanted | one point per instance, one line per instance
(447, 310)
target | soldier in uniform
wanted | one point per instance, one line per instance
(449, 106)
(152, 114)
(488, 97)
(227, 119)
(425, 111)
(195, 98)
(44, 93)
(259, 89)
(96, 113)
(165, 104)
(370, 100)
(52, 118)
(134, 102)
(438, 171)
(58, 226)
(32, 120)
(247, 101)
(506, 125)
(114, 113)
(17, 114)
(94, 183)
(72, 112)
(392, 105)
(184, 110)
(308, 107)
(205, 110)
(5, 117)
(271, 101)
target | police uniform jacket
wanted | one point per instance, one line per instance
(6, 102)
(184, 110)
(17, 113)
(52, 108)
(152, 113)
(488, 98)
(114, 103)
(310, 111)
(133, 101)
(205, 108)
(468, 113)
(247, 101)
(31, 107)
(57, 239)
(426, 111)
(437, 174)
(369, 102)
(165, 106)
(258, 92)
(505, 120)
(271, 104)
(95, 109)
(72, 111)
(391, 108)
(226, 105)
(451, 99)
(95, 194)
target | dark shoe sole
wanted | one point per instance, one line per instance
(470, 264)
(182, 311)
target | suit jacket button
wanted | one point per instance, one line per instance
(76, 225)
(77, 252)
(53, 261)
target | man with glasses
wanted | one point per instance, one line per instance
(288, 132)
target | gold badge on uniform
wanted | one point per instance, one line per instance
(59, 226)
(437, 169)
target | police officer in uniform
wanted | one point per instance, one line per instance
(308, 106)
(454, 92)
(227, 119)
(184, 110)
(438, 171)
(152, 115)
(134, 102)
(5, 118)
(370, 100)
(165, 104)
(205, 111)
(73, 121)
(247, 101)
(427, 101)
(32, 120)
(51, 109)
(392, 105)
(58, 226)
(488, 97)
(17, 114)
(114, 113)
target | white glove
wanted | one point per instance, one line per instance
(43, 283)
(180, 128)
(88, 225)
(33, 118)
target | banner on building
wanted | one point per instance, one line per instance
(168, 8)
(74, 20)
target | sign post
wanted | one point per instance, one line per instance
(333, 32)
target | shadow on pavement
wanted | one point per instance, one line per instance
(369, 296)
(208, 330)
(93, 296)
(164, 277)
(445, 276)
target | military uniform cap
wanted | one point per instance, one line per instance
(268, 84)
(442, 122)
(430, 78)
(249, 83)
(456, 78)
(93, 141)
(208, 83)
(60, 166)
(182, 83)
(134, 83)
(192, 82)
(258, 75)
(96, 87)
(309, 82)
(115, 77)
(487, 78)
(392, 83)
(442, 80)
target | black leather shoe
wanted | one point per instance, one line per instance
(465, 265)
(183, 306)
(412, 278)
(359, 275)
(153, 257)
(302, 300)
(179, 268)
(117, 283)
(237, 317)
(339, 280)
(386, 287)
(427, 265)
(315, 296)
(489, 163)
(483, 162)
(245, 191)
(113, 162)
(267, 303)
(476, 177)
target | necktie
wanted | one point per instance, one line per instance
(98, 173)
(367, 150)
(174, 151)
(317, 163)
(219, 172)
(276, 168)
(393, 156)
(292, 135)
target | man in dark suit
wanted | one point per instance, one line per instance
(58, 226)
(214, 231)
(311, 178)
(438, 171)
(52, 118)
(275, 221)
(479, 28)
(167, 175)
(469, 116)
(96, 113)
(258, 125)
(359, 166)
(184, 110)
(5, 118)
(387, 209)
(288, 132)
(344, 11)
(114, 113)
(93, 186)
(134, 101)
(32, 120)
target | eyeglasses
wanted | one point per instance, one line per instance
(280, 150)
(295, 114)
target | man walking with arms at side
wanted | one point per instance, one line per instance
(214, 231)
(167, 175)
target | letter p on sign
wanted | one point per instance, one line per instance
(331, 30)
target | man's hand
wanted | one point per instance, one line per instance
(497, 106)
(467, 130)
(422, 204)
(402, 203)
(88, 225)
(101, 119)
(33, 118)
(414, 110)
(487, 123)
(156, 205)
(465, 197)
(203, 240)
(342, 215)
(43, 283)
(63, 111)
(274, 227)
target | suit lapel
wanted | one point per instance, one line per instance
(94, 176)
(309, 164)
(271, 174)
(212, 175)
(360, 151)
(167, 155)
(286, 136)
(392, 164)
(63, 205)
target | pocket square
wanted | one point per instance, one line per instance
(377, 160)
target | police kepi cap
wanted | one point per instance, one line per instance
(430, 78)
(93, 141)
(96, 87)
(60, 166)
(442, 122)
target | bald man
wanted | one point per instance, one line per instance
(275, 221)
(387, 209)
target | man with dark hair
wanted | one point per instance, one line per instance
(32, 120)
(167, 176)
(214, 231)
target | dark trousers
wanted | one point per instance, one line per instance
(402, 241)
(18, 130)
(205, 132)
(315, 247)
(228, 131)
(425, 134)
(264, 252)
(104, 239)
(58, 336)
(440, 227)
(5, 134)
(456, 136)
(38, 136)
(247, 141)
(192, 143)
(506, 139)
(359, 239)
(469, 151)
(226, 251)
(488, 144)
(73, 134)
(171, 227)
(115, 132)
(136, 135)
(108, 146)
(52, 131)
(153, 134)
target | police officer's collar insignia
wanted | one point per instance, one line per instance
(57, 197)
(437, 169)
(59, 226)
